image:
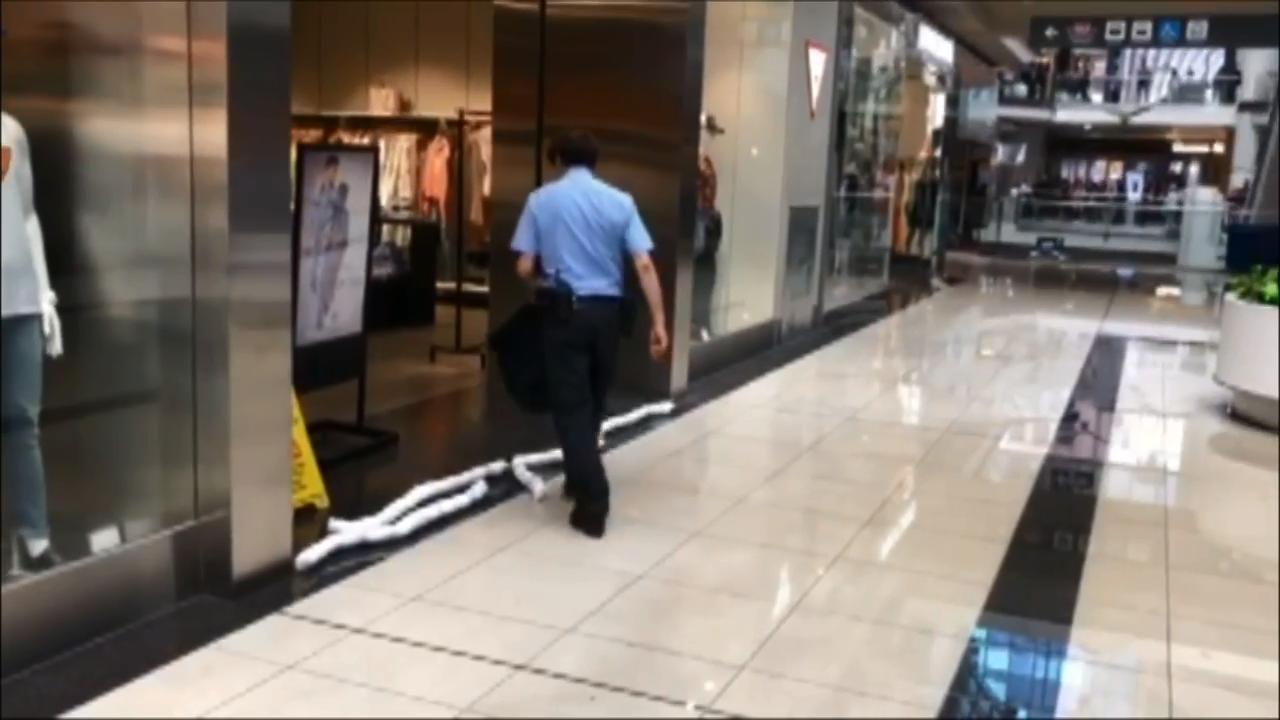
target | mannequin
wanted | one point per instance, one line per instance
(30, 329)
(708, 232)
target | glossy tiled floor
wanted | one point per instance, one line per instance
(825, 541)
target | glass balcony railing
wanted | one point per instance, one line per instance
(1151, 89)
(1102, 220)
(1032, 89)
(1099, 214)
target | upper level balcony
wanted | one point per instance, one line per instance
(1146, 99)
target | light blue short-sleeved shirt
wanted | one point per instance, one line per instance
(582, 229)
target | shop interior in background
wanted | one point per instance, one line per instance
(414, 81)
(868, 124)
(920, 191)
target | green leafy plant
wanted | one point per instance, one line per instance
(1261, 285)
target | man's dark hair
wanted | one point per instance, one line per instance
(574, 149)
(331, 161)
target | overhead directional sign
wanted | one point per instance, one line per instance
(1227, 31)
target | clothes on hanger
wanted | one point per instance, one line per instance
(476, 172)
(433, 184)
(706, 182)
(397, 177)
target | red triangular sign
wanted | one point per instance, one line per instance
(816, 55)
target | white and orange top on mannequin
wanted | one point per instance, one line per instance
(23, 271)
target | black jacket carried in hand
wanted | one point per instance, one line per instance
(518, 345)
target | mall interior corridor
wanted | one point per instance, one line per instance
(1004, 500)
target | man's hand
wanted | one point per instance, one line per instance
(659, 343)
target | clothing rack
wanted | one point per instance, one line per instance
(460, 230)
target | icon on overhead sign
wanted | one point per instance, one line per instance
(1081, 32)
(1140, 31)
(1198, 30)
(1115, 31)
(1170, 31)
(1051, 33)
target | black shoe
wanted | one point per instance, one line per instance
(589, 524)
(24, 563)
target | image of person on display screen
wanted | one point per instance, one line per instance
(31, 330)
(334, 240)
(329, 238)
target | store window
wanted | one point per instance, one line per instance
(98, 410)
(741, 167)
(869, 84)
(413, 81)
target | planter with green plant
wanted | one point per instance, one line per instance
(1249, 346)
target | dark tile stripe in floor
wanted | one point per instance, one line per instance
(439, 436)
(1016, 655)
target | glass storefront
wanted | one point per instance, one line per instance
(869, 79)
(740, 169)
(145, 306)
(98, 433)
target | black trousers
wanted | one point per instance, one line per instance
(582, 348)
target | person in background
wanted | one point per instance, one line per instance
(1144, 80)
(573, 238)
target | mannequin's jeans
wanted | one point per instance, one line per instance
(21, 383)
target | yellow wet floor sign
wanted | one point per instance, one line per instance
(308, 487)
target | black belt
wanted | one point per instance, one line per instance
(597, 300)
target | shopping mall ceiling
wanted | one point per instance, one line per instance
(982, 24)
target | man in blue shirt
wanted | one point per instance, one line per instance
(573, 239)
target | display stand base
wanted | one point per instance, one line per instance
(474, 350)
(336, 442)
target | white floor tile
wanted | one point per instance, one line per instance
(736, 568)
(886, 471)
(400, 668)
(852, 500)
(789, 428)
(417, 569)
(688, 471)
(668, 506)
(467, 631)
(1104, 634)
(622, 665)
(804, 531)
(629, 546)
(959, 516)
(524, 587)
(906, 666)
(1225, 601)
(280, 639)
(902, 545)
(856, 438)
(297, 694)
(1093, 691)
(345, 605)
(190, 686)
(958, 454)
(887, 595)
(695, 623)
(535, 696)
(754, 694)
(1122, 585)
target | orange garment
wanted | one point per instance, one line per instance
(433, 183)
(706, 183)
